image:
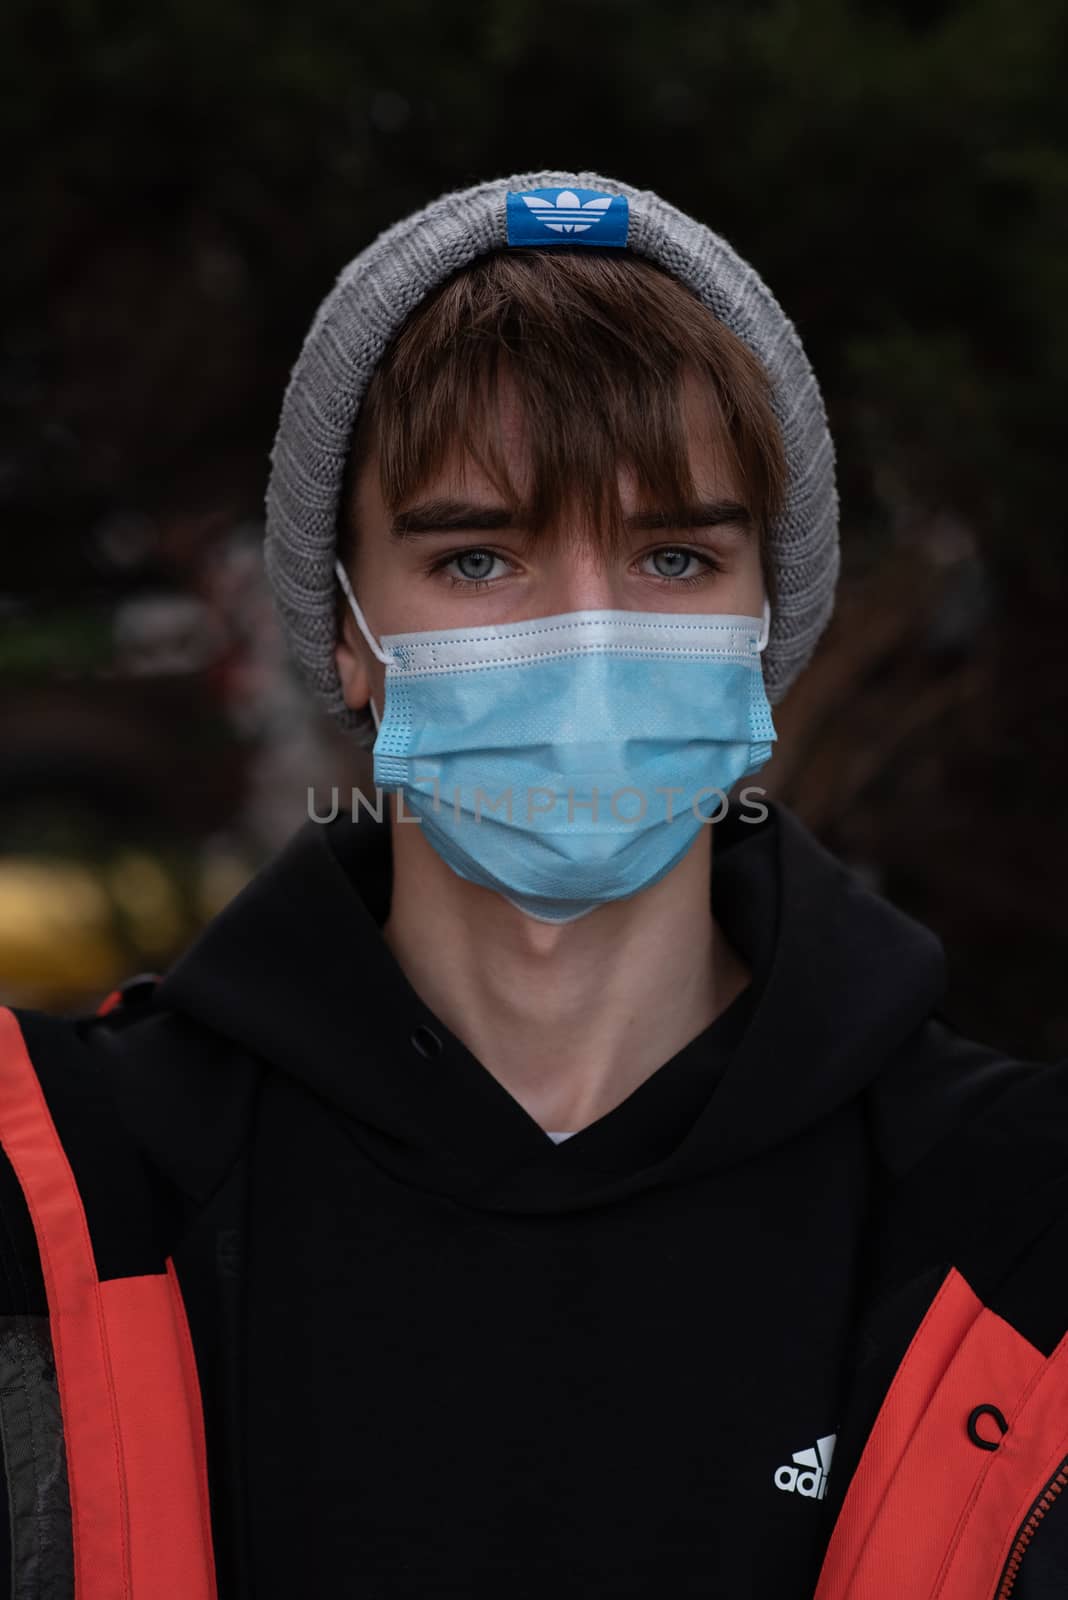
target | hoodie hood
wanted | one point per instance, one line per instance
(296, 972)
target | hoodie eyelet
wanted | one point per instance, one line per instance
(973, 1426)
(426, 1041)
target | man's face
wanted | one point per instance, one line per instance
(446, 559)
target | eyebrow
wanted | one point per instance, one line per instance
(460, 516)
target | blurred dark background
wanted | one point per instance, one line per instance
(184, 180)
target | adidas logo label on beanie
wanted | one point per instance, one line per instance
(571, 216)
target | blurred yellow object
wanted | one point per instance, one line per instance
(147, 896)
(223, 874)
(57, 930)
(70, 930)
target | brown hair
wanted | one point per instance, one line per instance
(597, 343)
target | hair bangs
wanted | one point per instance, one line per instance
(595, 347)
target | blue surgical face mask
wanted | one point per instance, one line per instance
(571, 760)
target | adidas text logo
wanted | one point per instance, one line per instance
(808, 1475)
(568, 214)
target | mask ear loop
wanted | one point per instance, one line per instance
(361, 622)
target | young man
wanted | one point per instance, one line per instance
(570, 1185)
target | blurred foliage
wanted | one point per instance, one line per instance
(72, 641)
(190, 177)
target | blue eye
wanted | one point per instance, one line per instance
(677, 560)
(475, 565)
(674, 561)
(479, 565)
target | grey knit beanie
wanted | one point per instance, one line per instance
(375, 293)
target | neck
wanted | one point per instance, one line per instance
(570, 1018)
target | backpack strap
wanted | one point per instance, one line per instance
(126, 1374)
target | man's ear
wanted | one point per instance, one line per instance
(350, 655)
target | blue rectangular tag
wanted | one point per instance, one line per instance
(567, 216)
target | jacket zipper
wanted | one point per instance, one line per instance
(1027, 1530)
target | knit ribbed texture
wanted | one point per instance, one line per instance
(373, 295)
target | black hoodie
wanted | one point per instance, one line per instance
(442, 1355)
